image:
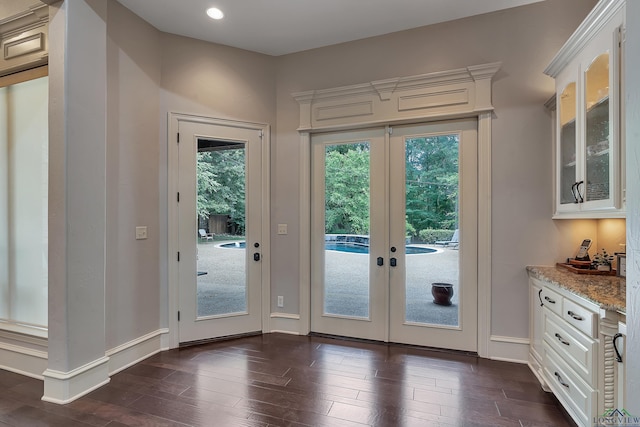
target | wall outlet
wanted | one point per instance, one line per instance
(141, 233)
(280, 301)
(282, 228)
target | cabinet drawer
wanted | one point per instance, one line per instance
(551, 300)
(578, 350)
(579, 399)
(580, 317)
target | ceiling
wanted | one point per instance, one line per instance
(279, 27)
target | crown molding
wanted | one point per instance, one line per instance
(597, 18)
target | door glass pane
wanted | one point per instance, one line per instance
(432, 230)
(597, 128)
(221, 263)
(346, 254)
(567, 115)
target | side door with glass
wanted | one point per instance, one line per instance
(219, 230)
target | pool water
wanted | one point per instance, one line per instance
(354, 248)
(364, 249)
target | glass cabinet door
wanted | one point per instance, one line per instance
(597, 135)
(567, 154)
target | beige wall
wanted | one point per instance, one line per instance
(524, 39)
(132, 291)
(13, 7)
(152, 74)
(215, 81)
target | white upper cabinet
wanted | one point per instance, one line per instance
(589, 175)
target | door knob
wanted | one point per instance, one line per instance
(256, 256)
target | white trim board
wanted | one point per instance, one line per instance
(509, 349)
(22, 360)
(65, 387)
(134, 351)
(285, 323)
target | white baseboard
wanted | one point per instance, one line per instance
(65, 387)
(134, 351)
(285, 323)
(23, 360)
(509, 349)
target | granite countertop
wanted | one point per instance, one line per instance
(609, 292)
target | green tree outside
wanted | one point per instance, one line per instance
(347, 188)
(221, 186)
(431, 186)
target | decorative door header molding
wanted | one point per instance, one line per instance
(23, 40)
(439, 95)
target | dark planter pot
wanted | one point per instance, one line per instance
(442, 293)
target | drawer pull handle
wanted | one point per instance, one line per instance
(560, 380)
(615, 347)
(549, 300)
(562, 340)
(540, 297)
(575, 316)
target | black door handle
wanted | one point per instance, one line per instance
(615, 347)
(393, 262)
(380, 261)
(581, 198)
(256, 256)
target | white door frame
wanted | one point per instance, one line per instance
(172, 230)
(459, 93)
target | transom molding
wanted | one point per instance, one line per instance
(23, 40)
(453, 93)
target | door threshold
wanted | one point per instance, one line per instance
(217, 339)
(395, 344)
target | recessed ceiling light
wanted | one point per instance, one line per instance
(215, 13)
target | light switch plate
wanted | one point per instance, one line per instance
(141, 233)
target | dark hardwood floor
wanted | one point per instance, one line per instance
(284, 380)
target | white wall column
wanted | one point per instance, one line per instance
(77, 128)
(632, 99)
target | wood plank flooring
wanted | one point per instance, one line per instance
(284, 380)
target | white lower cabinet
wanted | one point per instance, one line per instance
(572, 351)
(575, 394)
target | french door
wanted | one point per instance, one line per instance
(394, 211)
(219, 230)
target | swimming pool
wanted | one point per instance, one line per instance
(364, 249)
(354, 248)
